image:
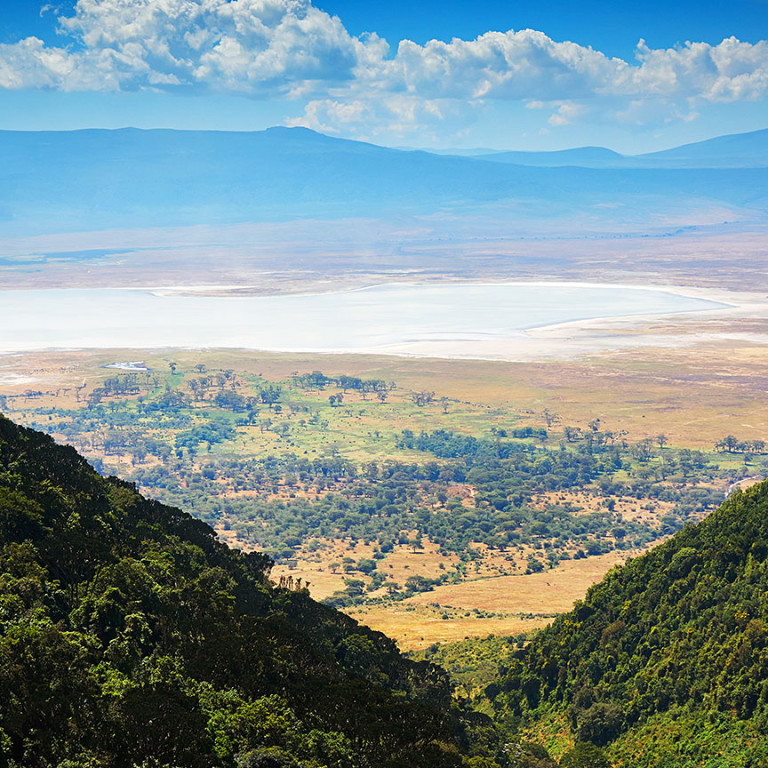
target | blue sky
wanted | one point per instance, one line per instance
(612, 26)
(517, 75)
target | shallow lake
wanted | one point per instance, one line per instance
(372, 319)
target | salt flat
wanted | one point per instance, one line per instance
(487, 320)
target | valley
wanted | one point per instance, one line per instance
(510, 385)
(270, 448)
(383, 385)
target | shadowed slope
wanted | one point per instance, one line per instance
(129, 636)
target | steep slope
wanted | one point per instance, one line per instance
(129, 636)
(666, 661)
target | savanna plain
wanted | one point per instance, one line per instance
(434, 499)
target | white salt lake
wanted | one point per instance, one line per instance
(385, 318)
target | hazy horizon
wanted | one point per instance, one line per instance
(439, 75)
(461, 151)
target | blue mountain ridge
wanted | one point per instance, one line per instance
(739, 150)
(100, 179)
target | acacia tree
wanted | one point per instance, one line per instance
(729, 443)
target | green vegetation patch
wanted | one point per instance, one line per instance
(280, 464)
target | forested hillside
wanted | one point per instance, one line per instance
(665, 662)
(129, 636)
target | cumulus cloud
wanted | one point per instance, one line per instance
(529, 65)
(290, 49)
(245, 46)
(397, 114)
(572, 83)
(730, 71)
(510, 65)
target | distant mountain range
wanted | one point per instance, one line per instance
(102, 179)
(582, 157)
(739, 150)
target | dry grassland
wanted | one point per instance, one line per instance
(398, 565)
(418, 626)
(500, 605)
(695, 395)
(585, 502)
(552, 591)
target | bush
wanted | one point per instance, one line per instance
(584, 755)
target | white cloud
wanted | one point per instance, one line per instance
(396, 115)
(566, 113)
(31, 64)
(250, 46)
(511, 65)
(529, 65)
(290, 49)
(730, 71)
(573, 83)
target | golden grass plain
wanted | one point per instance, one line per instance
(498, 605)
